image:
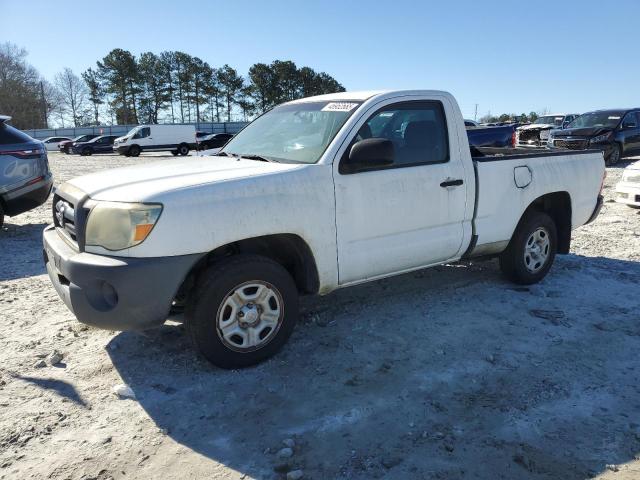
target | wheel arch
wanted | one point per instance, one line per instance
(558, 206)
(287, 249)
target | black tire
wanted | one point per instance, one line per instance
(134, 151)
(87, 152)
(183, 149)
(615, 155)
(518, 265)
(174, 153)
(214, 288)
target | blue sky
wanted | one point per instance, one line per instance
(506, 56)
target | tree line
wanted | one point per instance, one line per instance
(170, 87)
(510, 117)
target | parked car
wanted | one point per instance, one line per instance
(25, 178)
(628, 189)
(536, 134)
(496, 136)
(101, 144)
(470, 123)
(178, 139)
(213, 140)
(65, 147)
(615, 132)
(314, 195)
(52, 143)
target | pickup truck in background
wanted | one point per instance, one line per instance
(317, 194)
(614, 132)
(536, 134)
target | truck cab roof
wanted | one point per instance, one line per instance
(362, 96)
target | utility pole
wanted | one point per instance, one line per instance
(44, 105)
(475, 115)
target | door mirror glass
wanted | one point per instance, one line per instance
(370, 153)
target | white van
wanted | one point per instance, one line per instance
(178, 139)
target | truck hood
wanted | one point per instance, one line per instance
(581, 132)
(537, 126)
(144, 182)
(633, 166)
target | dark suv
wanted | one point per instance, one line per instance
(65, 147)
(615, 132)
(25, 178)
(101, 144)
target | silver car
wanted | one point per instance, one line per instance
(25, 178)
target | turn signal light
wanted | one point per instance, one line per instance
(142, 231)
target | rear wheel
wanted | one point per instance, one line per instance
(615, 155)
(134, 150)
(531, 250)
(242, 311)
(183, 149)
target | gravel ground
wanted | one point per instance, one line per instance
(447, 373)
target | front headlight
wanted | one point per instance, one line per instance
(116, 225)
(601, 138)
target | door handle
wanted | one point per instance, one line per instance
(452, 183)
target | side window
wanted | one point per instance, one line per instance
(418, 131)
(143, 133)
(629, 120)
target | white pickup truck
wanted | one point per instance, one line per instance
(317, 194)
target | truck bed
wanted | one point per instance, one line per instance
(510, 179)
(491, 154)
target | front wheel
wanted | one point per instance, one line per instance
(183, 149)
(532, 249)
(243, 310)
(134, 150)
(87, 152)
(615, 155)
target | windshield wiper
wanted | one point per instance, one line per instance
(256, 157)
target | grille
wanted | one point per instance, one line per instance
(572, 144)
(64, 216)
(528, 137)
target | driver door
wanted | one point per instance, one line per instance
(408, 214)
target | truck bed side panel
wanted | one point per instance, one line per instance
(501, 202)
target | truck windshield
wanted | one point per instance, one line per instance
(549, 120)
(297, 133)
(597, 119)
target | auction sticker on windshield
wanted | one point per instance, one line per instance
(339, 107)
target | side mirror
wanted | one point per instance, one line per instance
(367, 154)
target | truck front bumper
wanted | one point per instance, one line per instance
(628, 194)
(115, 293)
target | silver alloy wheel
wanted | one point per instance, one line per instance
(250, 316)
(536, 250)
